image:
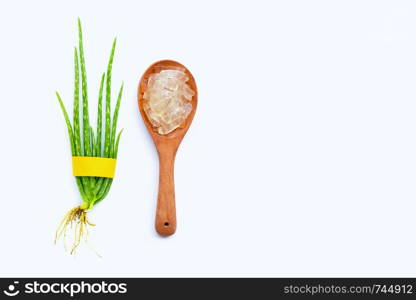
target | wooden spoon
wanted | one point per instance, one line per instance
(166, 146)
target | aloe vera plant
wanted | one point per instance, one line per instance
(87, 142)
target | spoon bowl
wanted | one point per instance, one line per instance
(166, 146)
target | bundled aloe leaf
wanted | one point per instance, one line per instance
(103, 142)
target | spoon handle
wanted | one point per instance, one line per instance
(166, 209)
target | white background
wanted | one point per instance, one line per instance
(301, 160)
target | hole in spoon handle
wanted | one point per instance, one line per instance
(165, 228)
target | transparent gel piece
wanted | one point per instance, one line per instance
(167, 100)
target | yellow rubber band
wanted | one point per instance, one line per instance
(93, 166)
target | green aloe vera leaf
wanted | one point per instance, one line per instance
(92, 138)
(93, 180)
(92, 147)
(98, 150)
(81, 188)
(117, 142)
(85, 122)
(73, 150)
(77, 130)
(101, 183)
(81, 181)
(68, 123)
(107, 147)
(115, 118)
(108, 182)
(105, 188)
(108, 103)
(85, 114)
